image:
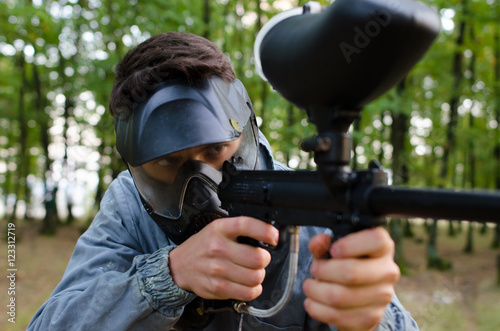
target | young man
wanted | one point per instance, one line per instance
(158, 250)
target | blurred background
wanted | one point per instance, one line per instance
(439, 127)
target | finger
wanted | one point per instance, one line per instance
(248, 256)
(354, 272)
(222, 247)
(342, 297)
(220, 289)
(243, 293)
(371, 242)
(235, 227)
(225, 270)
(366, 318)
(319, 245)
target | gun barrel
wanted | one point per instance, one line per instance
(435, 203)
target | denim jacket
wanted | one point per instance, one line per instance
(118, 277)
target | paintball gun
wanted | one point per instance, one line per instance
(331, 62)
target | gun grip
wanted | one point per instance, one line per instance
(341, 230)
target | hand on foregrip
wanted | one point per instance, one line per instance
(351, 289)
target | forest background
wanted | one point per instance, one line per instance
(439, 127)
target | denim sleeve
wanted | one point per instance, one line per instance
(111, 283)
(396, 318)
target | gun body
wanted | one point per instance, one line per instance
(363, 201)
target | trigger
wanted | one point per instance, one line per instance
(283, 229)
(255, 243)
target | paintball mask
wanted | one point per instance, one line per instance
(181, 194)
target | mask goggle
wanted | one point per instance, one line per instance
(164, 190)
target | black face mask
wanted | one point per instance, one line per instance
(200, 206)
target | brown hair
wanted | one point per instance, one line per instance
(163, 57)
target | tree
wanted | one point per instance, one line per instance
(70, 49)
(496, 153)
(399, 130)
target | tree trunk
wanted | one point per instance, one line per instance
(263, 84)
(455, 98)
(484, 229)
(496, 239)
(288, 137)
(408, 229)
(496, 87)
(51, 218)
(498, 270)
(457, 74)
(396, 232)
(68, 112)
(27, 198)
(68, 92)
(434, 261)
(206, 18)
(22, 164)
(398, 138)
(427, 226)
(470, 158)
(451, 229)
(469, 246)
(239, 44)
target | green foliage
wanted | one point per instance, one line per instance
(71, 47)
